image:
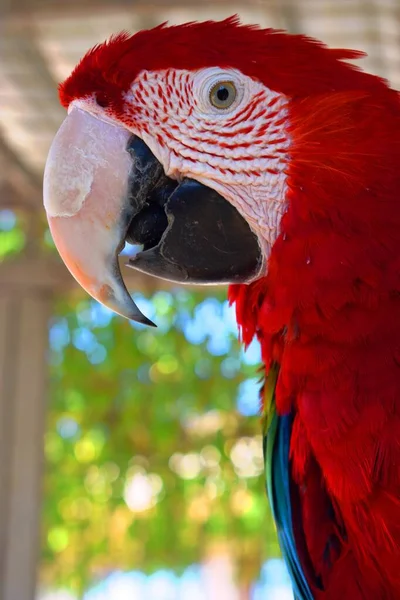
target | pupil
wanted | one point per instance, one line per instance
(223, 94)
(102, 100)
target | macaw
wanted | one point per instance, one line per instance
(247, 156)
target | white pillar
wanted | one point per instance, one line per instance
(218, 574)
(24, 315)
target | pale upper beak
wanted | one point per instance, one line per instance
(103, 186)
(86, 196)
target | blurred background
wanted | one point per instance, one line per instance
(130, 458)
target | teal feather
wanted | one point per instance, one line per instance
(276, 455)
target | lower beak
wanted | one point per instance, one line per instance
(103, 187)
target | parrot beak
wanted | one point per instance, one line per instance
(87, 182)
(103, 187)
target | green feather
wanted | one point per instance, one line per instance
(277, 431)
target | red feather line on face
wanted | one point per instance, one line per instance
(293, 65)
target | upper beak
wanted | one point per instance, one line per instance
(103, 186)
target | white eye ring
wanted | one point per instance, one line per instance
(222, 94)
(207, 83)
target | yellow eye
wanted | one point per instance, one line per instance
(223, 94)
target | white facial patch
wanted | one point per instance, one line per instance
(241, 151)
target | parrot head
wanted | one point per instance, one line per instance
(186, 140)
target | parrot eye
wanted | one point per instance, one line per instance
(223, 94)
(102, 100)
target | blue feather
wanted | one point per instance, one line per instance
(276, 456)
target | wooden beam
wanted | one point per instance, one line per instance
(24, 182)
(23, 366)
(21, 42)
(24, 9)
(12, 158)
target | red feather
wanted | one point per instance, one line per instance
(329, 313)
(290, 64)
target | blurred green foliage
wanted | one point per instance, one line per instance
(149, 464)
(148, 461)
(12, 237)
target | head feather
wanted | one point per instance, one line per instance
(294, 65)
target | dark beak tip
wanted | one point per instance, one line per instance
(146, 321)
(138, 317)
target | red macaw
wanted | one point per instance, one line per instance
(248, 156)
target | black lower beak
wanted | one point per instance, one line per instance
(189, 232)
